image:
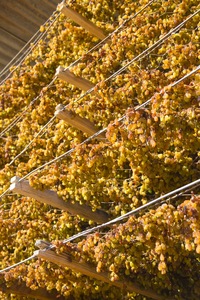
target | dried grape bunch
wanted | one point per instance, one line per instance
(151, 151)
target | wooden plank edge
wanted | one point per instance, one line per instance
(76, 121)
(70, 78)
(82, 21)
(51, 198)
(66, 260)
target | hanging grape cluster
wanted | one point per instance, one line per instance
(153, 150)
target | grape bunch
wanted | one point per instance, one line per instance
(152, 150)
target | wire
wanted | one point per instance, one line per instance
(19, 263)
(112, 76)
(30, 49)
(186, 76)
(135, 211)
(92, 49)
(104, 130)
(25, 54)
(140, 56)
(14, 122)
(175, 193)
(144, 53)
(31, 39)
(10, 62)
(110, 35)
(171, 195)
(123, 68)
(155, 45)
(74, 63)
(97, 133)
(31, 142)
(4, 193)
(10, 126)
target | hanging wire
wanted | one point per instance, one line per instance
(22, 49)
(5, 193)
(10, 126)
(102, 42)
(171, 195)
(17, 120)
(19, 263)
(31, 142)
(144, 53)
(28, 51)
(138, 57)
(104, 130)
(175, 193)
(14, 122)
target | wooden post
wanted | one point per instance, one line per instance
(66, 260)
(82, 21)
(51, 198)
(69, 77)
(74, 120)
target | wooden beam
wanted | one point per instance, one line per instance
(51, 198)
(82, 21)
(66, 260)
(69, 77)
(76, 121)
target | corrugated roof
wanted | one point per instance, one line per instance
(19, 20)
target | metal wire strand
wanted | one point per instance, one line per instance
(102, 42)
(5, 193)
(19, 263)
(175, 193)
(74, 63)
(50, 246)
(29, 50)
(16, 120)
(143, 54)
(104, 130)
(10, 126)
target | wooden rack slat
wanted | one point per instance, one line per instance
(82, 21)
(68, 261)
(69, 77)
(76, 121)
(51, 198)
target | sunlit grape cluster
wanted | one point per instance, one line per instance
(153, 246)
(146, 154)
(152, 150)
(147, 249)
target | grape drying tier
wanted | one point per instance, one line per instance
(100, 155)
